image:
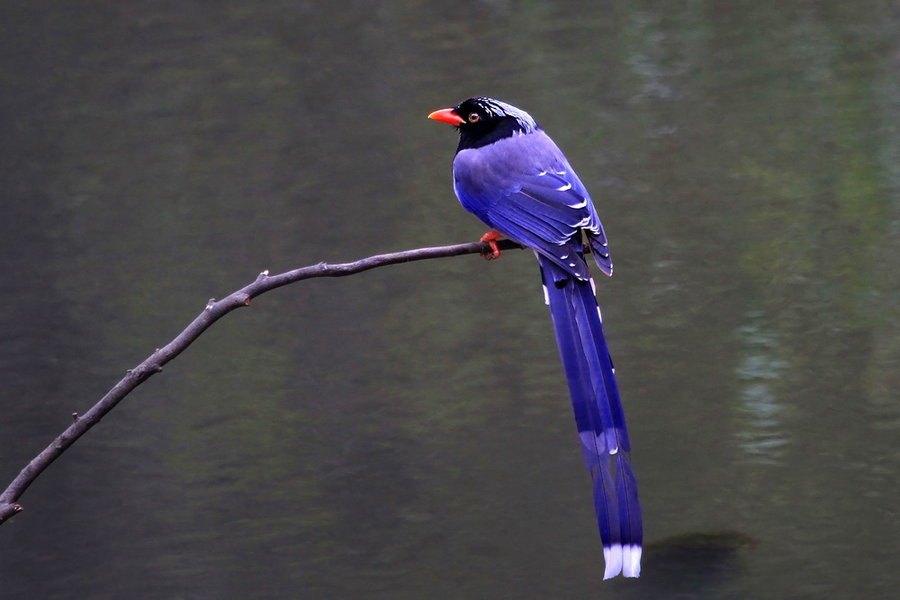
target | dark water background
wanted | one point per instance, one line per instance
(406, 433)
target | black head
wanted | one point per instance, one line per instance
(482, 121)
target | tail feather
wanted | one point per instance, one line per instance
(598, 416)
(630, 522)
(588, 313)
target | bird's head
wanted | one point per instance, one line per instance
(482, 121)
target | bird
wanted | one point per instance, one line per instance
(510, 174)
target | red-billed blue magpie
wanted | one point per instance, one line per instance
(512, 176)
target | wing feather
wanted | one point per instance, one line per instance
(523, 187)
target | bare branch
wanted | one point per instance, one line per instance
(214, 310)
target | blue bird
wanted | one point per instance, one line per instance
(512, 176)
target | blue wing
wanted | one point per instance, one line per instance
(524, 188)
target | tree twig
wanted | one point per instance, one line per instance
(214, 310)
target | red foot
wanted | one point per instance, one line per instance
(491, 238)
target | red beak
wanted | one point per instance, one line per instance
(447, 115)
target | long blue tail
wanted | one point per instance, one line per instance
(599, 416)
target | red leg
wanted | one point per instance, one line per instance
(491, 238)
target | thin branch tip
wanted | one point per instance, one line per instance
(9, 510)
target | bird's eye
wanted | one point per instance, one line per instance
(474, 117)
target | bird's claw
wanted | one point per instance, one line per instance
(492, 253)
(490, 238)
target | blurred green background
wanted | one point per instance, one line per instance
(406, 433)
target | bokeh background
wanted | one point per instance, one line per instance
(406, 433)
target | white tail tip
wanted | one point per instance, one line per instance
(622, 559)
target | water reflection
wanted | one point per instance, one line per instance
(406, 433)
(761, 434)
